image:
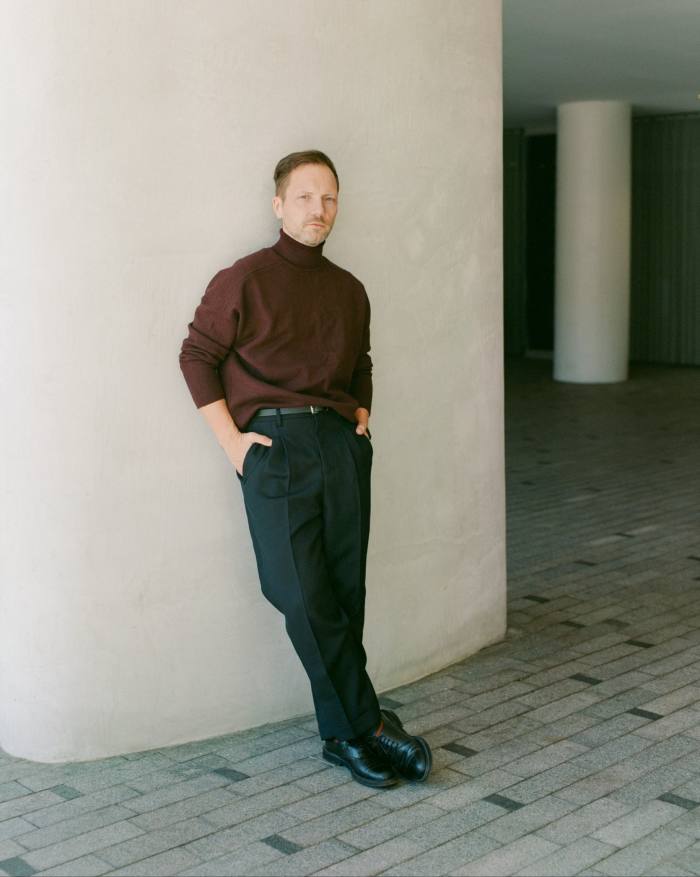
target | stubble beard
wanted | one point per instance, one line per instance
(315, 236)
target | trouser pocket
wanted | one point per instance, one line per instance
(252, 459)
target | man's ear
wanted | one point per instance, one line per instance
(277, 206)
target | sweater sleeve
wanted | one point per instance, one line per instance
(211, 336)
(361, 383)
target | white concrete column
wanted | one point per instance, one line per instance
(591, 311)
(138, 144)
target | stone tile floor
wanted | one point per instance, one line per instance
(572, 747)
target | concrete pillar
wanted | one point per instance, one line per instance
(138, 143)
(591, 311)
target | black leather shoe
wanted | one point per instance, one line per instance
(410, 756)
(363, 757)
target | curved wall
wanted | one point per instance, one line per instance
(139, 142)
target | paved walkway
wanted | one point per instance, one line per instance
(573, 747)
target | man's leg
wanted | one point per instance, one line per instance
(347, 505)
(287, 490)
(346, 532)
(307, 500)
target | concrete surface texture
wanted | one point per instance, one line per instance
(139, 142)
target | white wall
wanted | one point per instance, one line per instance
(138, 146)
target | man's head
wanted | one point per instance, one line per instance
(306, 196)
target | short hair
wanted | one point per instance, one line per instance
(286, 165)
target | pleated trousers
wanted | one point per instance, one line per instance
(307, 500)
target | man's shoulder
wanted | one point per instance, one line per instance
(231, 279)
(243, 267)
(347, 276)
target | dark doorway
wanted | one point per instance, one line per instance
(541, 153)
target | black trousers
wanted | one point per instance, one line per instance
(307, 499)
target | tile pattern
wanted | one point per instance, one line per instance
(572, 747)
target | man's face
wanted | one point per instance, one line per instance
(309, 204)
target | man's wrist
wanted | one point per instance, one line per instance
(229, 439)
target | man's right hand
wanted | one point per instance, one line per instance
(236, 444)
(240, 445)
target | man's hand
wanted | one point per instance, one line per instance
(362, 418)
(236, 444)
(240, 446)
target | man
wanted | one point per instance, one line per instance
(277, 362)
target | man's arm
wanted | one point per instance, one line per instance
(212, 334)
(361, 382)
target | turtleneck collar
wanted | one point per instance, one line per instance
(297, 253)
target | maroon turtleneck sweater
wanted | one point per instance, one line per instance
(283, 326)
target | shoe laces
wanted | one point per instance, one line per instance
(370, 749)
(401, 752)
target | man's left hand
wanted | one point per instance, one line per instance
(362, 418)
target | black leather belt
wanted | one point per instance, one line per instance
(301, 409)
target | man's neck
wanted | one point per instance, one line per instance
(294, 251)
